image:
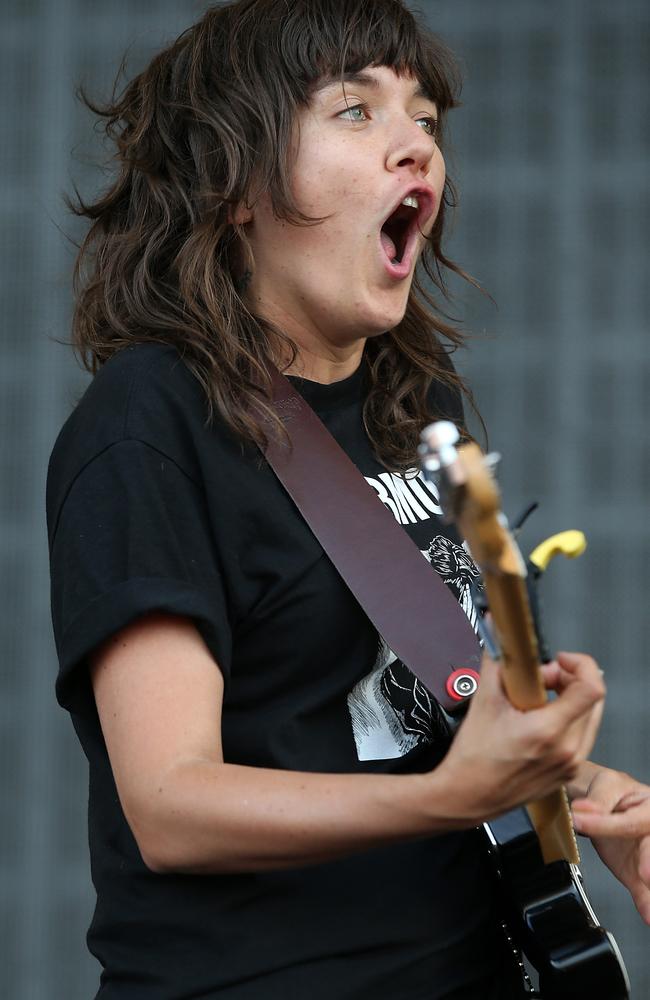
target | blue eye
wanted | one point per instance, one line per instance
(359, 113)
(351, 109)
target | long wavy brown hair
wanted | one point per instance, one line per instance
(208, 126)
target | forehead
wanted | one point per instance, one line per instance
(378, 79)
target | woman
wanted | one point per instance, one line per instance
(272, 812)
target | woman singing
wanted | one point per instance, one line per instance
(273, 811)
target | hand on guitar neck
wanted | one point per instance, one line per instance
(502, 756)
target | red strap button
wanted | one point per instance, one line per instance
(462, 683)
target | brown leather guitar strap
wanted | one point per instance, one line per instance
(407, 602)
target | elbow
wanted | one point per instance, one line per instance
(151, 861)
(167, 850)
(168, 859)
(162, 856)
(156, 851)
(162, 851)
(171, 830)
(156, 861)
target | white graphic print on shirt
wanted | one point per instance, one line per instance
(390, 709)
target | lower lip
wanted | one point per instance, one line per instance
(401, 270)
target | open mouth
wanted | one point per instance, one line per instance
(397, 230)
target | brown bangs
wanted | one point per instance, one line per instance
(387, 34)
(311, 41)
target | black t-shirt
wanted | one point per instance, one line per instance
(150, 508)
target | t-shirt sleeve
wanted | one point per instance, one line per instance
(132, 536)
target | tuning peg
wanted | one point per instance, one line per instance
(441, 434)
(430, 462)
(440, 439)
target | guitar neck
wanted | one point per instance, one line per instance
(472, 499)
(504, 574)
(508, 602)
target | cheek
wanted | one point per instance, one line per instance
(438, 172)
(324, 193)
(322, 187)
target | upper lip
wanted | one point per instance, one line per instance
(426, 203)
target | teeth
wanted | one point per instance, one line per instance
(411, 201)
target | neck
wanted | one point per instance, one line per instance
(326, 366)
(318, 358)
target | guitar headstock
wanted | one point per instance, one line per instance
(470, 496)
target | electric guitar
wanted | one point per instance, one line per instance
(547, 914)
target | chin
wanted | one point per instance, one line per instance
(384, 321)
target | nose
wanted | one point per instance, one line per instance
(411, 147)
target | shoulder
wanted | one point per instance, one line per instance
(135, 389)
(144, 394)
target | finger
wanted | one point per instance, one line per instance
(551, 674)
(555, 678)
(641, 887)
(591, 729)
(576, 700)
(573, 662)
(644, 861)
(629, 800)
(590, 806)
(616, 791)
(579, 665)
(642, 902)
(641, 897)
(486, 660)
(491, 683)
(598, 800)
(628, 825)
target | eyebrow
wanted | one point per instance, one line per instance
(366, 80)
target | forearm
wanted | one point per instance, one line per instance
(214, 817)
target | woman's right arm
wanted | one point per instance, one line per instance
(159, 696)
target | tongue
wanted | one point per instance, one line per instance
(388, 245)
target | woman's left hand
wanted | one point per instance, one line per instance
(615, 814)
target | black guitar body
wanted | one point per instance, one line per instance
(550, 919)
